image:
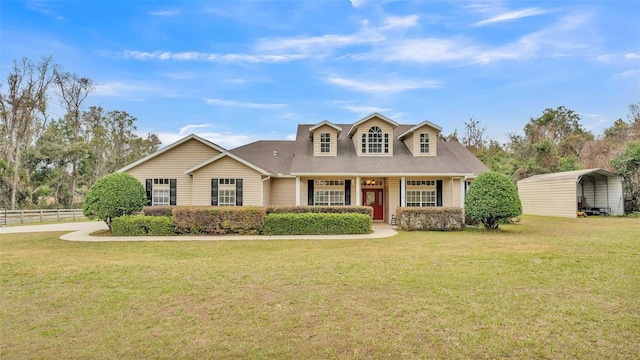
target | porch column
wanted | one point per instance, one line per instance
(403, 193)
(297, 191)
(358, 192)
(463, 181)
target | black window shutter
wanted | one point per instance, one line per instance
(438, 192)
(400, 193)
(347, 192)
(214, 192)
(238, 192)
(149, 188)
(310, 192)
(172, 191)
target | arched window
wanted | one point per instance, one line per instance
(374, 140)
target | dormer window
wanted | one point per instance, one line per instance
(325, 142)
(374, 141)
(424, 144)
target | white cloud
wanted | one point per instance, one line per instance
(164, 13)
(378, 87)
(118, 89)
(227, 140)
(364, 110)
(393, 22)
(249, 105)
(358, 3)
(627, 74)
(427, 50)
(513, 15)
(210, 57)
(631, 56)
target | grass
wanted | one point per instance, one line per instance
(544, 288)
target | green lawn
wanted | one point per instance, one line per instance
(544, 288)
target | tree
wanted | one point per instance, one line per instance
(473, 136)
(627, 164)
(73, 91)
(492, 199)
(113, 196)
(23, 113)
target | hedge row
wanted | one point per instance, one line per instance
(218, 220)
(141, 225)
(366, 210)
(430, 218)
(158, 210)
(316, 224)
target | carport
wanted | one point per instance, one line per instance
(592, 191)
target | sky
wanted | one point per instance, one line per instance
(239, 71)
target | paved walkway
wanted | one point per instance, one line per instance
(81, 231)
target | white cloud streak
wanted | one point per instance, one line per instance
(378, 87)
(210, 57)
(249, 105)
(165, 13)
(513, 15)
(364, 110)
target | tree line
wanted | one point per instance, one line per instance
(48, 162)
(556, 141)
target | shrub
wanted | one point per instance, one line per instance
(367, 210)
(158, 210)
(141, 225)
(218, 220)
(114, 195)
(316, 224)
(492, 199)
(430, 218)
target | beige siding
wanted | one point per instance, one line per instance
(364, 128)
(227, 167)
(172, 164)
(266, 192)
(549, 198)
(455, 193)
(334, 141)
(408, 140)
(433, 136)
(391, 196)
(447, 193)
(283, 192)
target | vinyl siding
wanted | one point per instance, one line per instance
(283, 192)
(432, 141)
(391, 196)
(408, 140)
(549, 198)
(364, 128)
(266, 192)
(334, 141)
(172, 165)
(227, 167)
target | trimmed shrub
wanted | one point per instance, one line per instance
(141, 225)
(430, 218)
(218, 220)
(158, 211)
(367, 210)
(316, 224)
(492, 199)
(114, 195)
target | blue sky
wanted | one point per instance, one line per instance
(239, 71)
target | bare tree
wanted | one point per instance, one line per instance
(473, 136)
(23, 112)
(73, 91)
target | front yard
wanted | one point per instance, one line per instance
(544, 288)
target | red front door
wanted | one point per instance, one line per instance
(373, 198)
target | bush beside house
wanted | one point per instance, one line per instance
(430, 218)
(112, 196)
(316, 224)
(492, 199)
(141, 225)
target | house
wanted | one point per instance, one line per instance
(374, 161)
(563, 194)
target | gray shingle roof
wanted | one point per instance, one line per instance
(296, 157)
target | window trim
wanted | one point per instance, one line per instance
(325, 143)
(425, 144)
(155, 196)
(421, 198)
(230, 196)
(328, 197)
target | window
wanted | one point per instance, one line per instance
(421, 198)
(226, 181)
(330, 182)
(160, 181)
(374, 140)
(325, 142)
(421, 183)
(160, 197)
(424, 144)
(329, 197)
(227, 197)
(372, 183)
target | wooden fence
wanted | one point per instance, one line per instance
(43, 215)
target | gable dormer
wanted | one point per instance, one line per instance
(325, 138)
(372, 136)
(421, 139)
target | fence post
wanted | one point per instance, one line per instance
(58, 215)
(40, 215)
(21, 216)
(74, 214)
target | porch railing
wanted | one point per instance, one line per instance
(43, 215)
